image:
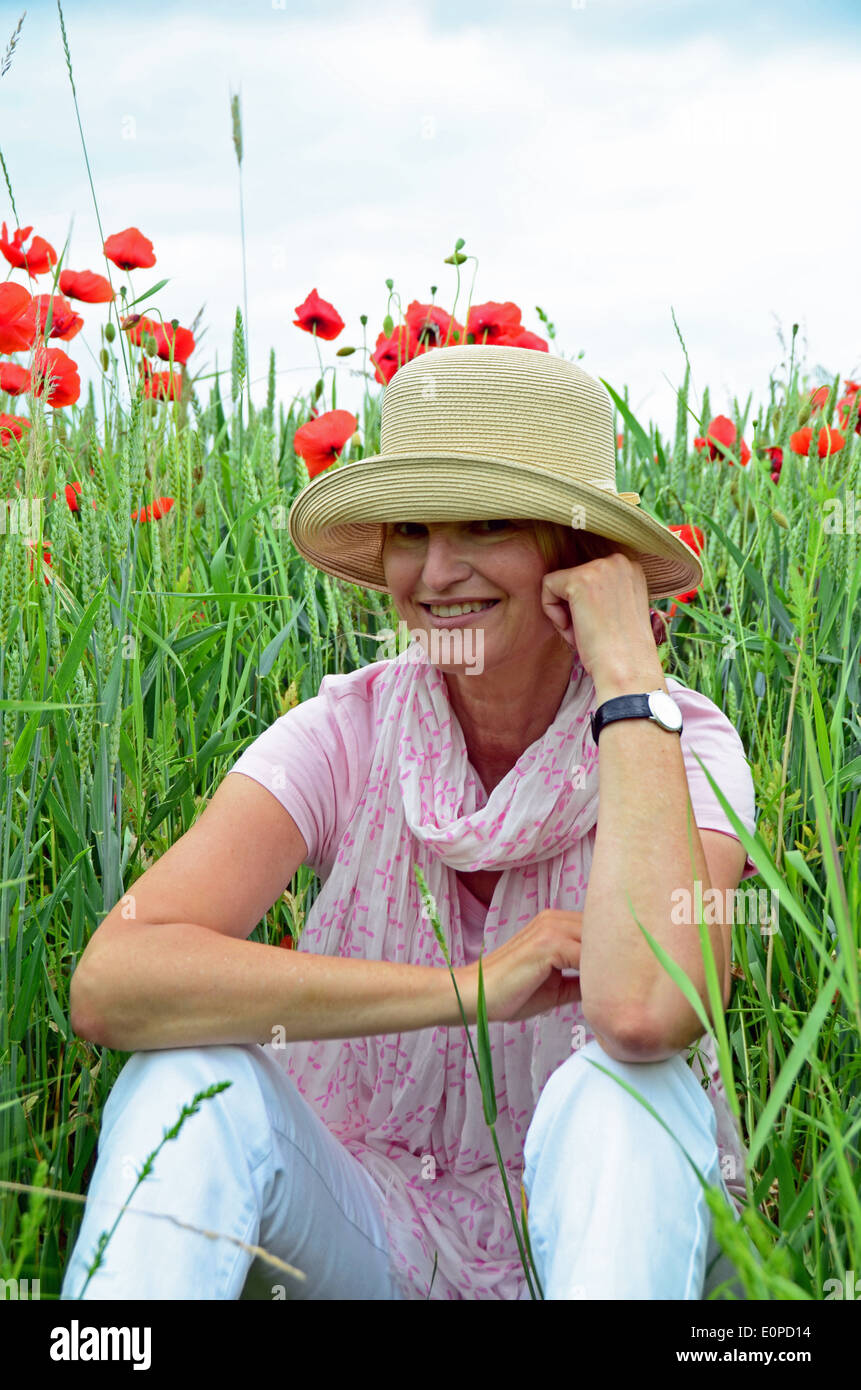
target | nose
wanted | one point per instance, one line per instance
(442, 564)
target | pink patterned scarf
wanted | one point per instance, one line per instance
(409, 1105)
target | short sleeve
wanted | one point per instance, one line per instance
(310, 759)
(708, 733)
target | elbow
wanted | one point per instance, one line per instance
(640, 1039)
(84, 1017)
(631, 1040)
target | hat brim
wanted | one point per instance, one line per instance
(335, 521)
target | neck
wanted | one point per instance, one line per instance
(502, 711)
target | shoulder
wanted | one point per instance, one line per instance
(360, 685)
(344, 699)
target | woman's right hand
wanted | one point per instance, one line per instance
(522, 977)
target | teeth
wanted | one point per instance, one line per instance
(456, 609)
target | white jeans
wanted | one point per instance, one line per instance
(614, 1209)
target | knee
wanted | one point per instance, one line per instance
(595, 1092)
(163, 1081)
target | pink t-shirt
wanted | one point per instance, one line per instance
(317, 759)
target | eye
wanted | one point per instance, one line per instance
(413, 530)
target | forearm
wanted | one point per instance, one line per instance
(641, 851)
(182, 985)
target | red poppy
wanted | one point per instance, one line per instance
(137, 325)
(774, 454)
(287, 941)
(72, 491)
(164, 386)
(490, 322)
(14, 379)
(829, 442)
(320, 441)
(181, 340)
(819, 397)
(155, 510)
(86, 286)
(620, 440)
(694, 538)
(130, 250)
(317, 316)
(12, 424)
(40, 257)
(432, 327)
(46, 556)
(17, 318)
(65, 323)
(525, 340)
(700, 443)
(844, 405)
(65, 382)
(722, 431)
(391, 353)
(691, 535)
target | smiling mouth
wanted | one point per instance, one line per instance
(461, 603)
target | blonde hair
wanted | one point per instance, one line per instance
(563, 546)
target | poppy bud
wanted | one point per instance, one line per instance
(104, 359)
(344, 351)
(110, 332)
(149, 344)
(804, 414)
(780, 518)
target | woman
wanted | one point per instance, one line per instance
(352, 1143)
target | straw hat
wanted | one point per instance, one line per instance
(476, 432)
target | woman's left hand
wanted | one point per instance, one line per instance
(601, 608)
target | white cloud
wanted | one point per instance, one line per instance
(605, 179)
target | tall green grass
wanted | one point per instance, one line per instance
(131, 681)
(110, 686)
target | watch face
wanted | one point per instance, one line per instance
(665, 710)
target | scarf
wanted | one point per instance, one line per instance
(409, 1105)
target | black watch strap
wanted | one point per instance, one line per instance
(656, 705)
(620, 707)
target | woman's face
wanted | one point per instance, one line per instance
(452, 562)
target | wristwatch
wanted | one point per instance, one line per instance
(656, 705)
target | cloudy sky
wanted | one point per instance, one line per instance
(613, 161)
